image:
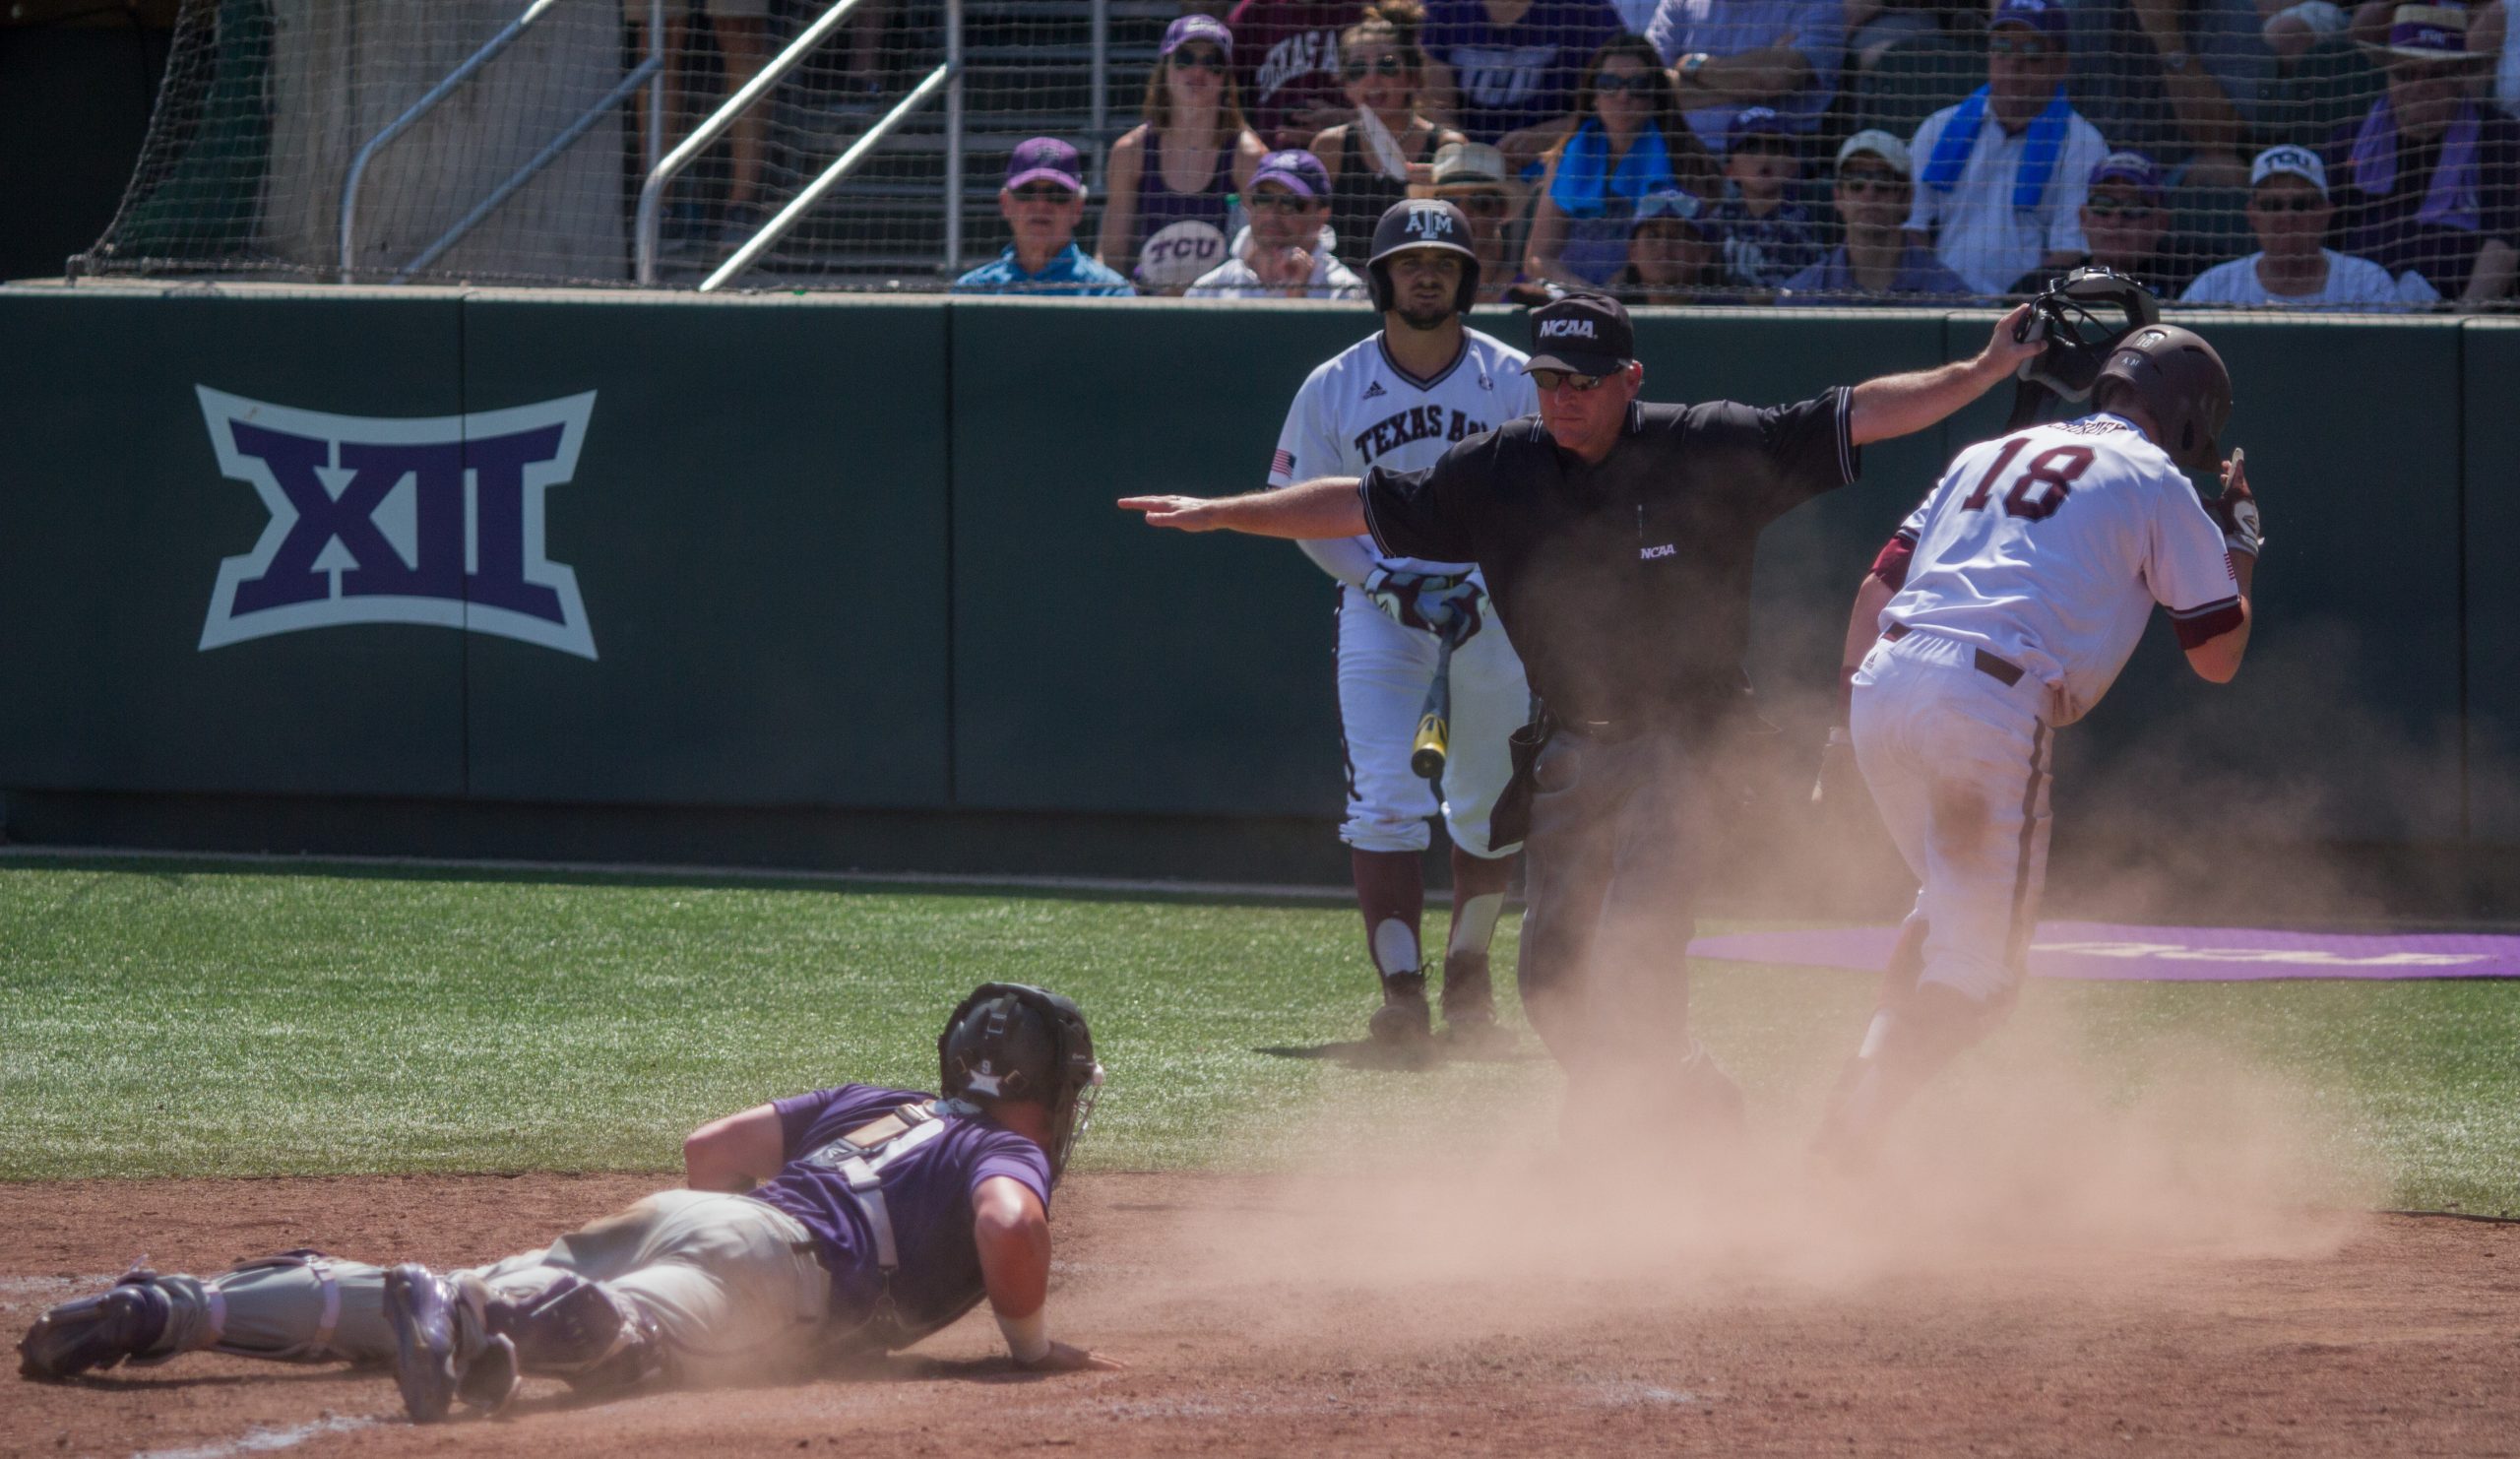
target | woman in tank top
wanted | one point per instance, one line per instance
(1633, 141)
(1169, 211)
(1381, 67)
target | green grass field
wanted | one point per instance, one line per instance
(177, 1018)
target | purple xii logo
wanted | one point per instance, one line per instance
(433, 520)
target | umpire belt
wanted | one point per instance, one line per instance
(2001, 670)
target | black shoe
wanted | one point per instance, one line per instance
(95, 1332)
(1403, 1021)
(1470, 1007)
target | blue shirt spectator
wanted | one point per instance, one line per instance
(1728, 54)
(1512, 85)
(1042, 201)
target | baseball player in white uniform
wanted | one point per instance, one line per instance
(2002, 610)
(1401, 399)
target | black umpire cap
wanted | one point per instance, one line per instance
(1583, 333)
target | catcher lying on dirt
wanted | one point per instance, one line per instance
(847, 1219)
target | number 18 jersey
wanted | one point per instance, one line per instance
(2048, 547)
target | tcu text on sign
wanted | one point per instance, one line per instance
(434, 520)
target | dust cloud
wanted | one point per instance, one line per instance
(1448, 1223)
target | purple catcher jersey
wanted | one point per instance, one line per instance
(928, 1193)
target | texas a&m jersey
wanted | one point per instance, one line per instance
(2048, 547)
(1360, 410)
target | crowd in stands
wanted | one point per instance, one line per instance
(2233, 153)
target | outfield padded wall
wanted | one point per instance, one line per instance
(854, 553)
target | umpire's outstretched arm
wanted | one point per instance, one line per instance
(1902, 405)
(1308, 511)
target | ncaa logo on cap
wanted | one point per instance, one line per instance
(1566, 329)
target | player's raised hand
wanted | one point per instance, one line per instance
(2236, 510)
(1182, 513)
(1067, 1357)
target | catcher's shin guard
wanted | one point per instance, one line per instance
(95, 1332)
(443, 1349)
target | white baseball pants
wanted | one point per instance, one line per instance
(1958, 763)
(1384, 670)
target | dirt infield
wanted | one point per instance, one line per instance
(2346, 1336)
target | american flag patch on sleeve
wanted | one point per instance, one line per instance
(1283, 464)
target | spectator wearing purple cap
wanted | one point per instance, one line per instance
(1633, 141)
(1505, 72)
(2428, 179)
(1671, 251)
(1287, 251)
(1878, 263)
(2288, 211)
(2177, 79)
(2126, 221)
(2000, 176)
(1042, 202)
(1729, 54)
(1173, 177)
(1766, 236)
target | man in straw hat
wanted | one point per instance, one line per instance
(2428, 179)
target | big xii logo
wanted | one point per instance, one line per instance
(433, 520)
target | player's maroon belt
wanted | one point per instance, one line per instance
(2005, 674)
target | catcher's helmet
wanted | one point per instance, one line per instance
(2181, 383)
(1009, 1041)
(1422, 222)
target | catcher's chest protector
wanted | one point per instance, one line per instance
(860, 1157)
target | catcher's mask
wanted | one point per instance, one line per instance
(2181, 384)
(2083, 316)
(1010, 1040)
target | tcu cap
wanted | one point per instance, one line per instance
(1586, 334)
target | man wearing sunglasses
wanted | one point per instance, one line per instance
(1615, 538)
(1042, 202)
(2001, 176)
(1877, 264)
(2126, 220)
(2288, 209)
(1286, 252)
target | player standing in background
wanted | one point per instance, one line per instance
(1401, 399)
(2005, 606)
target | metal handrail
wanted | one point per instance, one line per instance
(1099, 66)
(953, 137)
(506, 37)
(848, 162)
(549, 153)
(652, 193)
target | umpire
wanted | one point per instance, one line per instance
(1617, 540)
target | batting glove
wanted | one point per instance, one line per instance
(2236, 512)
(1446, 603)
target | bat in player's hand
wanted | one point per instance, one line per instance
(1433, 744)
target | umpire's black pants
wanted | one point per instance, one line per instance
(1613, 865)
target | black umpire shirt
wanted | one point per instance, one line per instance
(1624, 586)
